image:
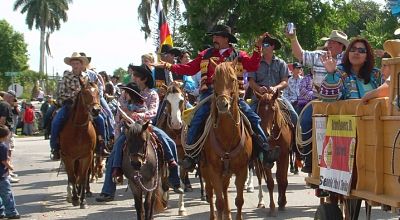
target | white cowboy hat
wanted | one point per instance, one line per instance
(76, 56)
(397, 31)
(337, 36)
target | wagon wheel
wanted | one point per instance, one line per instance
(328, 212)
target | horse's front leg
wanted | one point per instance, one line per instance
(148, 205)
(260, 175)
(227, 209)
(240, 181)
(270, 186)
(281, 179)
(138, 197)
(203, 197)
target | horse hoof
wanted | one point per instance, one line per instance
(89, 194)
(260, 206)
(250, 189)
(69, 199)
(203, 198)
(83, 206)
(75, 202)
(182, 213)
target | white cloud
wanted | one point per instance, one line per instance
(107, 31)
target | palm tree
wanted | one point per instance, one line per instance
(44, 15)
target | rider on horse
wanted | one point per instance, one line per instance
(205, 62)
(69, 87)
(272, 75)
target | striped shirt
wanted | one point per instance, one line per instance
(292, 92)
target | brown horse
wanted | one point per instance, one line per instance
(228, 147)
(277, 124)
(78, 140)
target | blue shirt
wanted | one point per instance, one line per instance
(3, 157)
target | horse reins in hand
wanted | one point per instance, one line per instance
(137, 176)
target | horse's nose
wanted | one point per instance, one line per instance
(223, 105)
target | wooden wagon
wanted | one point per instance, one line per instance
(376, 168)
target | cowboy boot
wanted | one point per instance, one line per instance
(173, 174)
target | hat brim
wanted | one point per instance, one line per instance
(232, 39)
(175, 51)
(85, 61)
(147, 73)
(135, 92)
(337, 39)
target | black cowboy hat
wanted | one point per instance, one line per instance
(223, 30)
(133, 89)
(166, 48)
(144, 71)
(271, 40)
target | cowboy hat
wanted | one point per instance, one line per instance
(84, 55)
(337, 36)
(133, 89)
(397, 31)
(223, 30)
(166, 48)
(13, 94)
(271, 40)
(144, 71)
(76, 56)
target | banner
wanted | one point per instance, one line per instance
(338, 153)
(320, 130)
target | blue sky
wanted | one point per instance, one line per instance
(107, 31)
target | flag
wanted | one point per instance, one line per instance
(165, 35)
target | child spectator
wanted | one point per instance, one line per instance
(29, 119)
(7, 202)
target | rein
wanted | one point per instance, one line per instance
(137, 177)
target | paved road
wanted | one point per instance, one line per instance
(41, 194)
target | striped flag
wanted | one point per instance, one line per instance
(165, 35)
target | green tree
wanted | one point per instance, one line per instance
(13, 53)
(123, 75)
(45, 15)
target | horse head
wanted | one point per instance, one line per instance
(226, 93)
(175, 104)
(89, 97)
(137, 139)
(267, 108)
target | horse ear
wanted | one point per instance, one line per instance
(145, 126)
(258, 95)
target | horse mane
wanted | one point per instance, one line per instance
(173, 88)
(135, 129)
(282, 116)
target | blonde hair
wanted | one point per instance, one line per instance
(148, 56)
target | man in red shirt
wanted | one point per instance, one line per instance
(222, 51)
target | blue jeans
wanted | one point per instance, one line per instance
(306, 126)
(109, 118)
(109, 187)
(57, 124)
(100, 126)
(7, 202)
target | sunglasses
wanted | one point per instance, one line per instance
(358, 49)
(266, 45)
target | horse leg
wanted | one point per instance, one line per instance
(138, 197)
(181, 205)
(70, 168)
(148, 205)
(69, 192)
(84, 165)
(210, 195)
(291, 162)
(227, 209)
(239, 182)
(270, 186)
(249, 181)
(203, 197)
(259, 173)
(281, 178)
(216, 182)
(87, 191)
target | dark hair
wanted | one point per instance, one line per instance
(4, 131)
(104, 75)
(366, 69)
(182, 54)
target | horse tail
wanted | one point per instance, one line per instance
(160, 203)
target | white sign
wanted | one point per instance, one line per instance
(320, 130)
(17, 88)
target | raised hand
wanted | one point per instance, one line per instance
(329, 62)
(161, 64)
(261, 39)
(290, 36)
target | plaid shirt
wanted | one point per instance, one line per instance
(292, 92)
(70, 86)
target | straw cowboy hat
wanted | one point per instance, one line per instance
(223, 30)
(76, 56)
(337, 36)
(397, 31)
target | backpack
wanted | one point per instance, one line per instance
(29, 115)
